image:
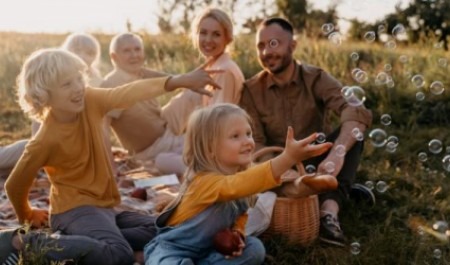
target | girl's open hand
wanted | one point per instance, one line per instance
(303, 149)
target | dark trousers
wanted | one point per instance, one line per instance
(116, 234)
(346, 176)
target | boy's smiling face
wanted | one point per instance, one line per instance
(67, 98)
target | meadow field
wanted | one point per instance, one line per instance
(408, 172)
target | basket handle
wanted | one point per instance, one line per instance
(276, 149)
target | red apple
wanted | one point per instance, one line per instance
(227, 241)
(139, 193)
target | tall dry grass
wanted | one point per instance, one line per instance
(416, 188)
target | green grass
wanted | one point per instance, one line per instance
(416, 189)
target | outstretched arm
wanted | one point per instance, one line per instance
(296, 151)
(195, 80)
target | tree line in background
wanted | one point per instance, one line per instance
(424, 20)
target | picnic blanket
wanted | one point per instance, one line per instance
(157, 195)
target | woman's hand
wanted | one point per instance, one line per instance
(195, 80)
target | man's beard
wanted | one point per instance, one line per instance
(285, 62)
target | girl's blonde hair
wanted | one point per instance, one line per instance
(83, 42)
(42, 72)
(205, 127)
(216, 14)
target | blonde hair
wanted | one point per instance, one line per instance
(205, 128)
(216, 14)
(41, 72)
(83, 42)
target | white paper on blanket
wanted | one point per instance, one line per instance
(161, 180)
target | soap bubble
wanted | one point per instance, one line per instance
(399, 31)
(391, 147)
(418, 81)
(355, 248)
(442, 62)
(403, 59)
(387, 67)
(390, 44)
(355, 96)
(420, 96)
(435, 146)
(327, 28)
(335, 38)
(378, 137)
(357, 134)
(437, 88)
(310, 169)
(359, 75)
(422, 156)
(446, 163)
(381, 78)
(440, 226)
(370, 36)
(386, 119)
(369, 184)
(321, 138)
(393, 139)
(381, 186)
(437, 253)
(340, 150)
(354, 56)
(330, 167)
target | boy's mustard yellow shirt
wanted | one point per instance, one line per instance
(74, 154)
(209, 188)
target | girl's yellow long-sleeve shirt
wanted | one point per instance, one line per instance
(74, 154)
(208, 188)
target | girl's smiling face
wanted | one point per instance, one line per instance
(211, 37)
(235, 145)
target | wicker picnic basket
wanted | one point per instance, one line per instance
(297, 219)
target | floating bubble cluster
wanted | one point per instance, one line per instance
(354, 95)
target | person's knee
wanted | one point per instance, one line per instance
(255, 249)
